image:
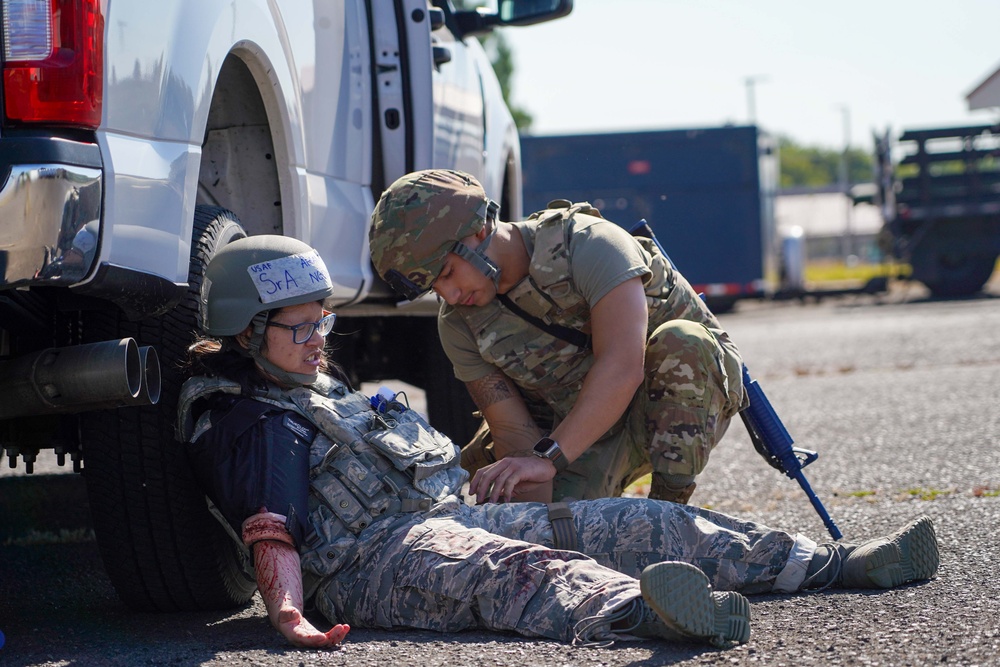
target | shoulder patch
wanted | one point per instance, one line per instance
(299, 426)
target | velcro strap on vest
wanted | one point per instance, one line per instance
(266, 526)
(415, 504)
(563, 527)
(423, 472)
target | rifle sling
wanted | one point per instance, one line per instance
(571, 336)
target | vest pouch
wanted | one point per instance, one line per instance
(412, 446)
(362, 479)
(361, 475)
(328, 546)
(427, 457)
(344, 504)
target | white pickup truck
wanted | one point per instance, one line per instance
(136, 139)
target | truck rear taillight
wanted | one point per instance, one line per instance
(53, 61)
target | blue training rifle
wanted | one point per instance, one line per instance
(769, 436)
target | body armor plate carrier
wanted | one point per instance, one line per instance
(364, 466)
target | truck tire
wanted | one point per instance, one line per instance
(951, 274)
(161, 547)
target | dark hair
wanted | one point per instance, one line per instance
(221, 358)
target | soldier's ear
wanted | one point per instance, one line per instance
(473, 240)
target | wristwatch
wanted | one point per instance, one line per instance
(547, 448)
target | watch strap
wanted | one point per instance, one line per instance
(549, 449)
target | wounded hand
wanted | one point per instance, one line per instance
(300, 632)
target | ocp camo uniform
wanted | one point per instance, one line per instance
(693, 382)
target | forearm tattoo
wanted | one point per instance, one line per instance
(490, 389)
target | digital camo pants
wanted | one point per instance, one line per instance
(495, 567)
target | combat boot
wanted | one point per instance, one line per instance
(685, 606)
(677, 604)
(909, 554)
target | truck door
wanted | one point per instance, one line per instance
(429, 100)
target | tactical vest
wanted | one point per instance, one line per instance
(548, 370)
(364, 466)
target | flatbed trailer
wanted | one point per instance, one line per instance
(941, 205)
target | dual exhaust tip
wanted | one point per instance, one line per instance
(80, 378)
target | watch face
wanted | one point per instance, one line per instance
(546, 447)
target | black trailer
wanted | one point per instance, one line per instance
(941, 205)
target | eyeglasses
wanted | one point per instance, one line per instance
(304, 331)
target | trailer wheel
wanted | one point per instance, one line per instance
(162, 549)
(952, 274)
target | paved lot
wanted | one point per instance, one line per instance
(898, 394)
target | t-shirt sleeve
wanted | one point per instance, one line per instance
(460, 346)
(602, 257)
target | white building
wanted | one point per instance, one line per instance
(832, 227)
(986, 95)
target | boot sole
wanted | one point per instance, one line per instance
(682, 597)
(910, 555)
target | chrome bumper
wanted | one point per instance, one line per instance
(50, 224)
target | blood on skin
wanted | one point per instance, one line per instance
(279, 580)
(271, 560)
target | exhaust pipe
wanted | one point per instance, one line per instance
(149, 387)
(96, 376)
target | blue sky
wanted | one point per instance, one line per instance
(824, 69)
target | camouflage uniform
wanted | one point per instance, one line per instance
(495, 567)
(388, 542)
(693, 383)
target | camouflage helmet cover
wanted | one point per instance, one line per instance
(417, 221)
(256, 274)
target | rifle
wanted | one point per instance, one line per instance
(769, 436)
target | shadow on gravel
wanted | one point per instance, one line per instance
(57, 606)
(506, 648)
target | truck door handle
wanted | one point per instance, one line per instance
(442, 54)
(436, 16)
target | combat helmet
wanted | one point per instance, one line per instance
(252, 276)
(420, 219)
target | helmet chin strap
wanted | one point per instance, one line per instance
(285, 378)
(478, 258)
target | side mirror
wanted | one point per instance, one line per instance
(511, 13)
(527, 12)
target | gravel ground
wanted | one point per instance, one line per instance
(899, 396)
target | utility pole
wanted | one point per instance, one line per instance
(845, 186)
(751, 82)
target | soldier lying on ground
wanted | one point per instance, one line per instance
(571, 336)
(356, 511)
